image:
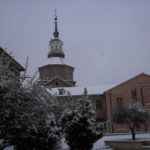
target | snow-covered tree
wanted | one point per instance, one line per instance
(79, 125)
(26, 117)
(133, 115)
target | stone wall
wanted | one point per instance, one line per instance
(57, 75)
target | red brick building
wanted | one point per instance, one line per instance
(135, 89)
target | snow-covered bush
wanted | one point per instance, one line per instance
(79, 125)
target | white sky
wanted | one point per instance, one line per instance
(107, 41)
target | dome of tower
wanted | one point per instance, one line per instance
(55, 48)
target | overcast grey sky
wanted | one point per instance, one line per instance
(107, 41)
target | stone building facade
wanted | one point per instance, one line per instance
(57, 75)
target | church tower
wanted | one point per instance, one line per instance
(56, 73)
(55, 44)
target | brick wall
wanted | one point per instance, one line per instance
(135, 89)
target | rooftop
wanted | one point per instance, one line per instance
(18, 65)
(75, 91)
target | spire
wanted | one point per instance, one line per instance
(55, 44)
(56, 33)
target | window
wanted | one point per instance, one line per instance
(119, 101)
(61, 91)
(99, 104)
(134, 94)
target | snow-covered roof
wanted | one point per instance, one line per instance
(54, 60)
(66, 91)
(4, 54)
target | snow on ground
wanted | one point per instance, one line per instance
(9, 148)
(64, 146)
(100, 144)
